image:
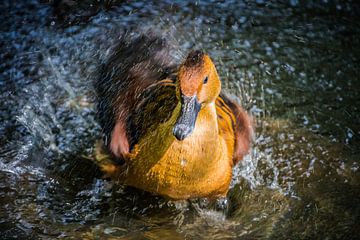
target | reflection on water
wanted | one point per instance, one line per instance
(294, 65)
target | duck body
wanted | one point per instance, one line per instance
(175, 135)
(174, 169)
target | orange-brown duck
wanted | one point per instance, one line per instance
(170, 126)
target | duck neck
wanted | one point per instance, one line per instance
(205, 132)
(207, 119)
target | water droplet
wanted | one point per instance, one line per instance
(183, 162)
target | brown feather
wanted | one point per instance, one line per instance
(242, 126)
(135, 64)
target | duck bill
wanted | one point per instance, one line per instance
(185, 123)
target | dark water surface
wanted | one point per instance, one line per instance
(294, 64)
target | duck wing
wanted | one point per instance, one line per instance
(134, 65)
(155, 106)
(234, 120)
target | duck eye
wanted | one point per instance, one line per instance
(206, 80)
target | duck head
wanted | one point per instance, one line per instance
(198, 85)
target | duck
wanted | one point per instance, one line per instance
(168, 126)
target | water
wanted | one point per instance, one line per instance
(294, 65)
